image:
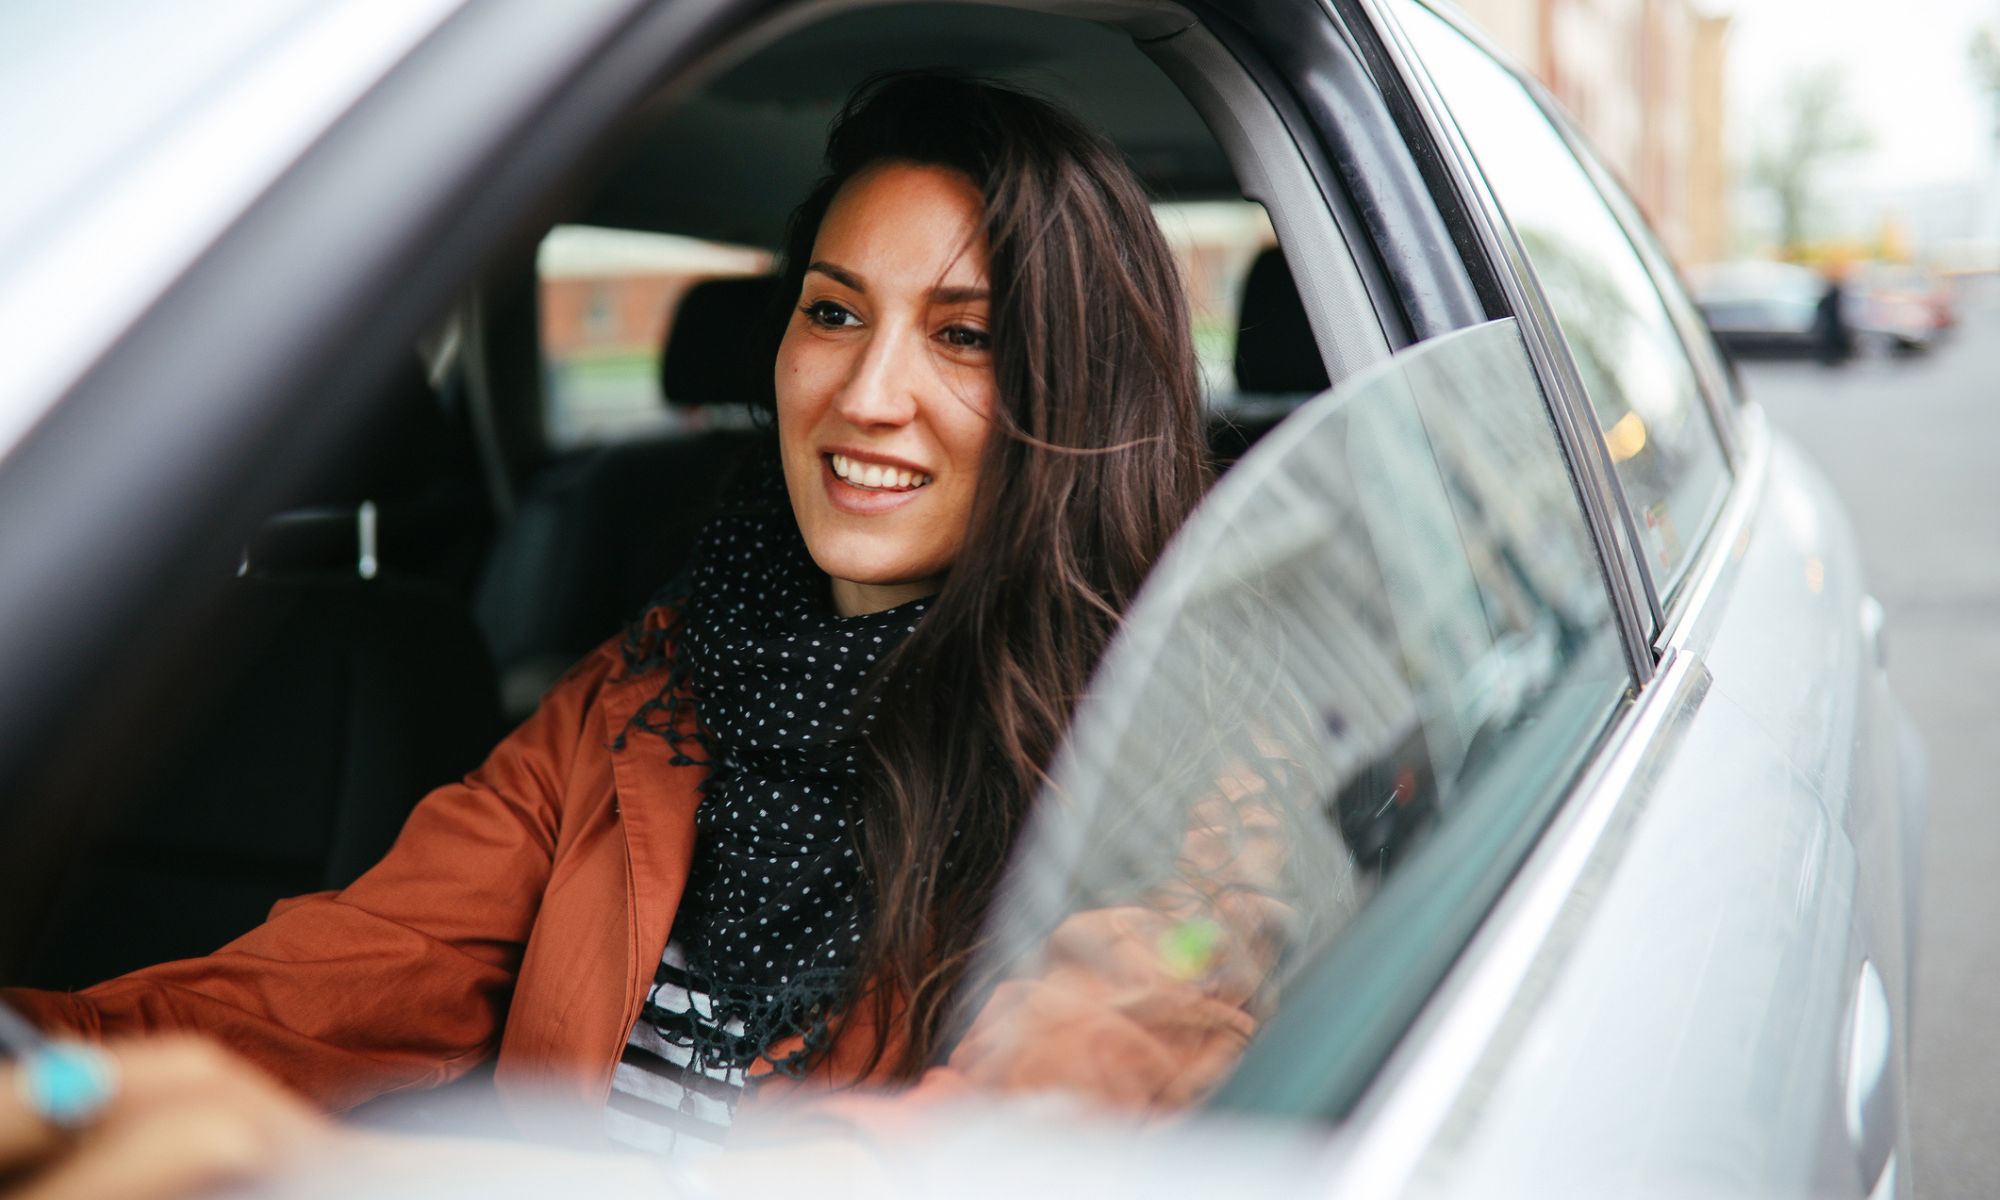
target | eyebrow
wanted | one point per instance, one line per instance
(941, 295)
(839, 275)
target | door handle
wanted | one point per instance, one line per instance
(1874, 1107)
(1872, 621)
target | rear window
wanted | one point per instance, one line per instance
(608, 298)
(1216, 243)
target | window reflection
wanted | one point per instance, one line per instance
(1633, 364)
(1386, 624)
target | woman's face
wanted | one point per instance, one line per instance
(885, 383)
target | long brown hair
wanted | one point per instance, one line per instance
(1098, 456)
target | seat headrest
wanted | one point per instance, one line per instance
(710, 348)
(1275, 351)
(398, 461)
(396, 448)
(402, 446)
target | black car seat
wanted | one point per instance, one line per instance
(342, 678)
(411, 472)
(1278, 365)
(601, 530)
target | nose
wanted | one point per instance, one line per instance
(881, 387)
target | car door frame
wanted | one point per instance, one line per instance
(100, 536)
(1490, 243)
(1666, 610)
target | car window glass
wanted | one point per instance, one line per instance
(1216, 243)
(1338, 713)
(1667, 278)
(608, 300)
(1662, 441)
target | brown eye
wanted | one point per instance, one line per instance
(828, 315)
(965, 337)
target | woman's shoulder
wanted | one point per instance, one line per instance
(618, 672)
(645, 688)
(649, 644)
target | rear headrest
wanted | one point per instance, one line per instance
(400, 450)
(391, 483)
(710, 348)
(1275, 351)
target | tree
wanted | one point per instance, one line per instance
(1985, 52)
(1813, 129)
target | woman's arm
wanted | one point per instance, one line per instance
(401, 979)
(1141, 1008)
(1146, 1006)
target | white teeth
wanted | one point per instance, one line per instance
(873, 475)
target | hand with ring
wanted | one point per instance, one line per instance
(142, 1120)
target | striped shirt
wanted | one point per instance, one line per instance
(662, 1102)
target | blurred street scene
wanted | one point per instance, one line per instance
(1834, 135)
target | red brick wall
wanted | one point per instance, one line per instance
(582, 316)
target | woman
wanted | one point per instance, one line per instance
(801, 774)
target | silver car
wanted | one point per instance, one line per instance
(335, 370)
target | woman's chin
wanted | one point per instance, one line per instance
(858, 590)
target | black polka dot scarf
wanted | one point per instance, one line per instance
(774, 909)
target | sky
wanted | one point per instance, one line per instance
(1908, 73)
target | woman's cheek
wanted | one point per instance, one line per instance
(801, 379)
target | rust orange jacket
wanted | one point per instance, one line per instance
(522, 912)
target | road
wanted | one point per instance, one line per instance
(1914, 447)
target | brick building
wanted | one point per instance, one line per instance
(1644, 78)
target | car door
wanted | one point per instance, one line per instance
(1723, 1007)
(211, 287)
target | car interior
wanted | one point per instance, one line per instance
(405, 607)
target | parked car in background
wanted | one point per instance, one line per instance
(1759, 307)
(325, 443)
(1905, 306)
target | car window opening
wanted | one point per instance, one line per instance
(604, 379)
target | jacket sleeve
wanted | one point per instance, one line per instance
(402, 979)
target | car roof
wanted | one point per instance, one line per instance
(781, 98)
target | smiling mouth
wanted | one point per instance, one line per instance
(875, 477)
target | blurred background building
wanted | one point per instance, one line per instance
(1698, 105)
(1645, 79)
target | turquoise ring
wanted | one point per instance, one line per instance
(67, 1084)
